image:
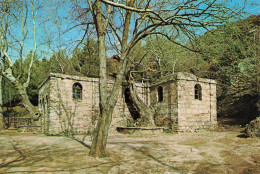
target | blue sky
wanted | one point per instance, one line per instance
(50, 30)
(253, 7)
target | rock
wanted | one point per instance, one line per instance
(253, 128)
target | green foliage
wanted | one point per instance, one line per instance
(231, 55)
(160, 56)
(85, 60)
(10, 95)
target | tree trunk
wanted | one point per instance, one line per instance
(98, 146)
(107, 103)
(146, 112)
(25, 100)
(1, 105)
(258, 91)
(21, 89)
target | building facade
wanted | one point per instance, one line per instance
(183, 102)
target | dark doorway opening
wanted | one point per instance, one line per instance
(129, 102)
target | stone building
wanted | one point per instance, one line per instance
(182, 102)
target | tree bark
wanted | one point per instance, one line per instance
(1, 105)
(107, 103)
(25, 100)
(146, 112)
(98, 146)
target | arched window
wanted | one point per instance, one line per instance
(198, 94)
(127, 95)
(77, 91)
(160, 94)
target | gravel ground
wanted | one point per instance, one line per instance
(203, 152)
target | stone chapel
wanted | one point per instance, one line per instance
(71, 103)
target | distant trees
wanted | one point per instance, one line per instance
(85, 60)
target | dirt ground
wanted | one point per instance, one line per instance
(203, 152)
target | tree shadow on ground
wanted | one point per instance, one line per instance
(81, 142)
(22, 158)
(243, 135)
(144, 152)
(18, 157)
(81, 170)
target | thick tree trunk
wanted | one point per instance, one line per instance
(146, 112)
(21, 89)
(1, 105)
(107, 103)
(25, 100)
(98, 146)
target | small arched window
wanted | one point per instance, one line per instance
(77, 91)
(160, 94)
(127, 95)
(198, 94)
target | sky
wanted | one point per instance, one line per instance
(253, 7)
(49, 30)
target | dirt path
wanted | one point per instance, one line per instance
(204, 152)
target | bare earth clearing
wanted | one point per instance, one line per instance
(203, 152)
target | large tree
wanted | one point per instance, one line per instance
(18, 24)
(124, 23)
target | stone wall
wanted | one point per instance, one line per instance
(44, 100)
(177, 109)
(62, 114)
(162, 108)
(72, 115)
(195, 114)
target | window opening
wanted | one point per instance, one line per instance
(160, 94)
(77, 91)
(198, 94)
